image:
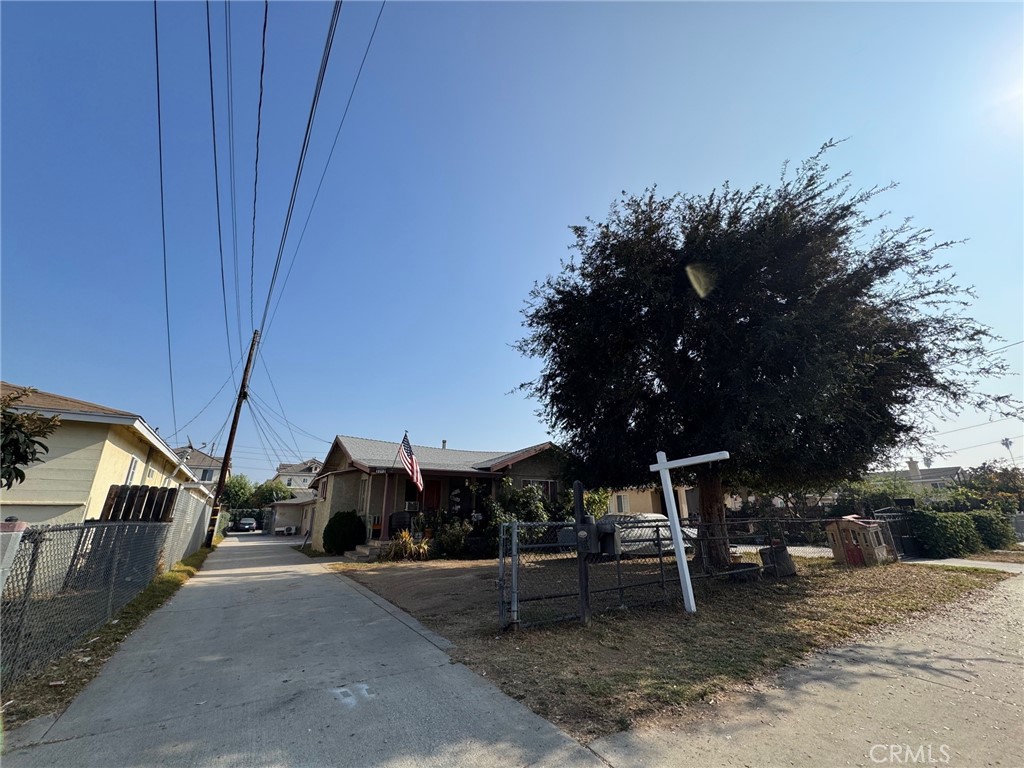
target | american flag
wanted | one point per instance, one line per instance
(409, 461)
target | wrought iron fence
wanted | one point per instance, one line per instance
(66, 581)
(546, 572)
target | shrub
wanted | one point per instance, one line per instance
(946, 534)
(405, 547)
(344, 531)
(451, 538)
(995, 530)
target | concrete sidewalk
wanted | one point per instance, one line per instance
(946, 689)
(267, 659)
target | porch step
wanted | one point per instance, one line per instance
(370, 550)
(355, 557)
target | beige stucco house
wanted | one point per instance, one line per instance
(94, 447)
(366, 476)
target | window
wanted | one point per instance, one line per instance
(323, 488)
(289, 483)
(131, 471)
(547, 487)
(621, 504)
(207, 475)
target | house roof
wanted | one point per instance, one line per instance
(197, 459)
(382, 454)
(928, 474)
(72, 409)
(301, 496)
(302, 466)
(48, 401)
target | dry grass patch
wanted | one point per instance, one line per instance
(33, 696)
(635, 665)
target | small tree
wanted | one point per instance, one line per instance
(237, 492)
(267, 492)
(783, 324)
(23, 435)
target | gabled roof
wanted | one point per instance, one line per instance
(197, 459)
(381, 454)
(48, 401)
(302, 466)
(73, 410)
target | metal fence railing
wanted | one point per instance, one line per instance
(543, 577)
(66, 581)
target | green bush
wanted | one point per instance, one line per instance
(995, 530)
(946, 534)
(450, 538)
(343, 532)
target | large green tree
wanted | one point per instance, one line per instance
(783, 324)
(22, 436)
(237, 492)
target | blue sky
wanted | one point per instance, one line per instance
(478, 134)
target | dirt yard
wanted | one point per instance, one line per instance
(632, 666)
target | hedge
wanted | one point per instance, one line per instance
(343, 532)
(946, 534)
(995, 530)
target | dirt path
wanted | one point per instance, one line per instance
(944, 690)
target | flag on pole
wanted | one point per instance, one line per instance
(409, 461)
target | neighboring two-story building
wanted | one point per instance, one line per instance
(298, 476)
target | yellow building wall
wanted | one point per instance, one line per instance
(59, 489)
(122, 445)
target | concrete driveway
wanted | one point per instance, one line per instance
(267, 659)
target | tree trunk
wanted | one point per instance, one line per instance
(713, 538)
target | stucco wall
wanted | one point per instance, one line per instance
(123, 444)
(342, 496)
(58, 489)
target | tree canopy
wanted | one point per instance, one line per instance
(267, 492)
(22, 437)
(237, 491)
(784, 324)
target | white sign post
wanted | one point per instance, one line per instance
(663, 466)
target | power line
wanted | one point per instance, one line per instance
(270, 431)
(302, 156)
(231, 161)
(260, 433)
(979, 445)
(973, 426)
(210, 402)
(330, 156)
(163, 218)
(256, 174)
(279, 405)
(1000, 349)
(284, 420)
(216, 185)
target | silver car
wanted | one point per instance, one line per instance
(643, 534)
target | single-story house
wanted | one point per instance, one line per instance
(640, 501)
(295, 513)
(94, 448)
(367, 476)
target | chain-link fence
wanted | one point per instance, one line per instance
(549, 572)
(68, 580)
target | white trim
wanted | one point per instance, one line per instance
(135, 422)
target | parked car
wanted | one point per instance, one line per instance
(642, 534)
(246, 524)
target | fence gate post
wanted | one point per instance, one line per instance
(502, 611)
(581, 558)
(514, 603)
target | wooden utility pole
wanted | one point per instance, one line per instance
(243, 394)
